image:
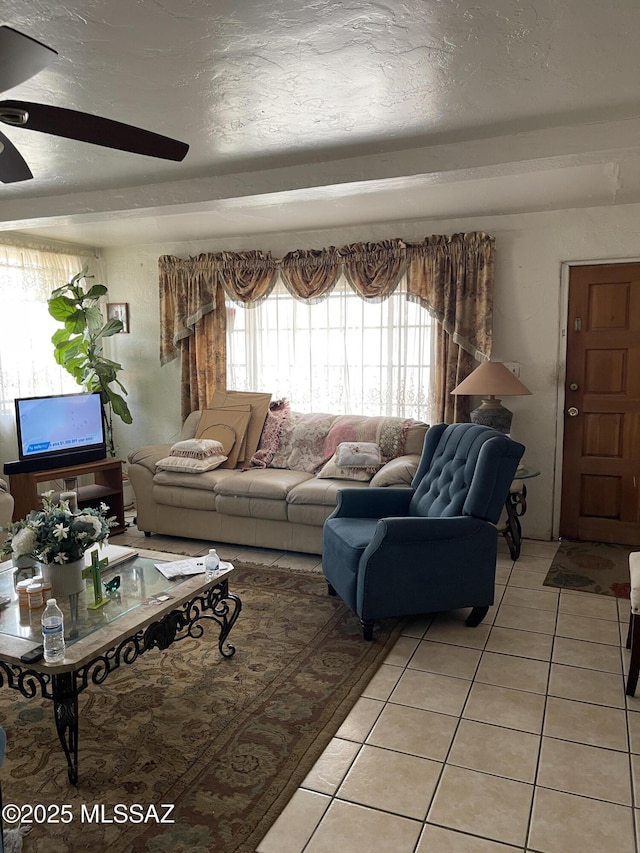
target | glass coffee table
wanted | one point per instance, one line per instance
(147, 611)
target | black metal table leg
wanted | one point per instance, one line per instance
(65, 709)
(516, 506)
(225, 612)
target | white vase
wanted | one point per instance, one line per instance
(66, 579)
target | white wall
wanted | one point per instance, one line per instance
(530, 251)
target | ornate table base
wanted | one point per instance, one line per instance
(516, 506)
(215, 603)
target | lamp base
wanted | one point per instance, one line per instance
(493, 414)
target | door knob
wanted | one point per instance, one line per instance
(572, 412)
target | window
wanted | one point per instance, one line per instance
(341, 355)
(27, 365)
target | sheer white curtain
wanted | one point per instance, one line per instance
(342, 355)
(27, 366)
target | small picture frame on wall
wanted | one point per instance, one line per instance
(119, 311)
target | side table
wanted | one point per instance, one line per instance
(515, 507)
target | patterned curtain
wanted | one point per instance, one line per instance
(453, 364)
(451, 276)
(187, 293)
(204, 358)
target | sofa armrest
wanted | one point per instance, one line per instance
(149, 455)
(372, 502)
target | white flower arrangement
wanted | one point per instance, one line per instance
(55, 534)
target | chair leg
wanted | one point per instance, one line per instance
(476, 616)
(634, 664)
(330, 589)
(367, 629)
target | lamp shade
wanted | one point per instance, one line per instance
(489, 380)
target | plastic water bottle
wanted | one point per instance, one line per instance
(53, 632)
(211, 564)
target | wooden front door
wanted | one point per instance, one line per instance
(601, 450)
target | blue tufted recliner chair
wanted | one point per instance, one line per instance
(398, 552)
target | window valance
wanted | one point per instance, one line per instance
(451, 276)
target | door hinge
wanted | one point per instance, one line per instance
(577, 324)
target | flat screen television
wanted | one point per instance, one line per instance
(60, 430)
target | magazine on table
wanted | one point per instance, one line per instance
(191, 566)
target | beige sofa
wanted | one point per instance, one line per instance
(281, 506)
(6, 509)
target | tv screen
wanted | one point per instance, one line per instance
(59, 426)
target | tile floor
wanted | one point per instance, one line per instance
(512, 736)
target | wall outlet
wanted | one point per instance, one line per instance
(514, 367)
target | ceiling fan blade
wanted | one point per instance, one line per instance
(13, 167)
(89, 128)
(21, 57)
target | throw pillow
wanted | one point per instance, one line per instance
(398, 472)
(189, 465)
(358, 454)
(332, 471)
(197, 448)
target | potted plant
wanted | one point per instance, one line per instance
(57, 538)
(78, 346)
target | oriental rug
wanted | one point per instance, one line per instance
(226, 742)
(599, 567)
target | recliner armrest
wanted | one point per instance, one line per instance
(412, 529)
(372, 502)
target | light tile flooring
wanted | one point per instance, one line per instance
(512, 736)
(515, 735)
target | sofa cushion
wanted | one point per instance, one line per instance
(252, 507)
(269, 483)
(179, 497)
(319, 492)
(206, 482)
(313, 501)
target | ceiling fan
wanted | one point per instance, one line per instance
(21, 57)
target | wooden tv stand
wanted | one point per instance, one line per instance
(107, 488)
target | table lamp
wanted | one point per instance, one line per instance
(489, 379)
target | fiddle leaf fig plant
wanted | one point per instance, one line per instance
(78, 346)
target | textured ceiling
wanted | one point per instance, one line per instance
(316, 113)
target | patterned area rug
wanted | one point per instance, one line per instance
(598, 567)
(227, 741)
